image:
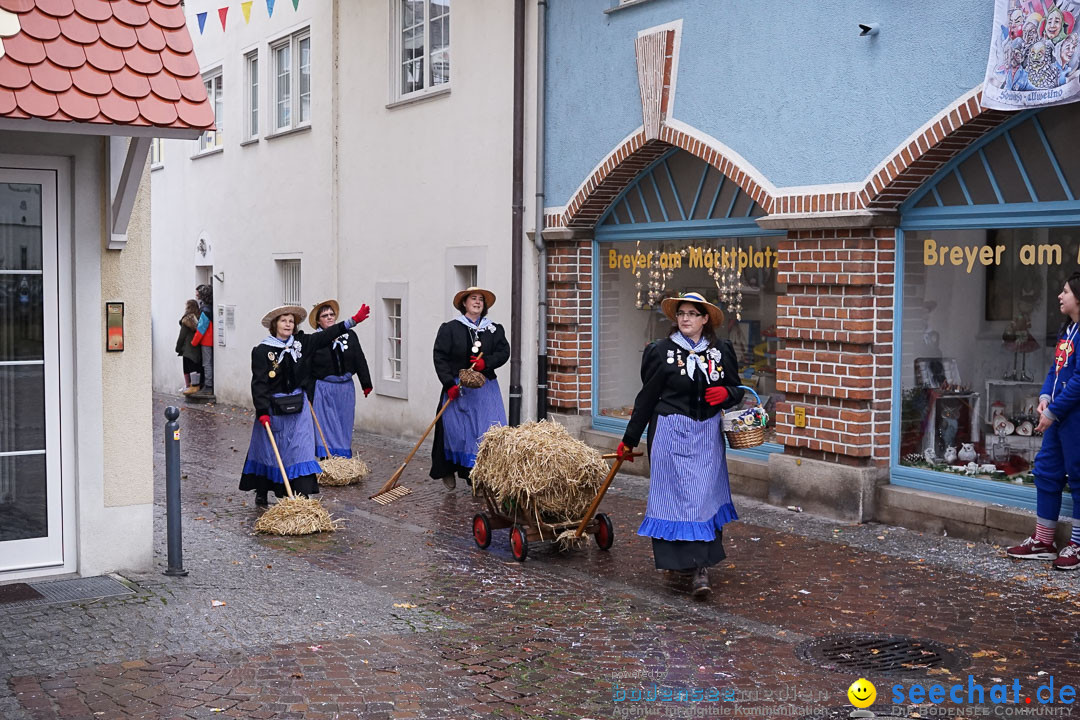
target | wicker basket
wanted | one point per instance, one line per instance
(471, 378)
(747, 437)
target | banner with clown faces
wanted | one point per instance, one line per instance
(1034, 54)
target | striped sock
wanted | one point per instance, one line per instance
(1075, 532)
(1044, 531)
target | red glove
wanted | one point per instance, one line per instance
(478, 363)
(453, 392)
(716, 395)
(367, 391)
(265, 420)
(623, 452)
(361, 314)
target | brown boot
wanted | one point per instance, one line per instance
(450, 482)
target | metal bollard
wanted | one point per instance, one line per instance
(172, 492)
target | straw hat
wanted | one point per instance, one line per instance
(671, 305)
(313, 315)
(489, 297)
(296, 311)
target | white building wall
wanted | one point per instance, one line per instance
(416, 187)
(250, 202)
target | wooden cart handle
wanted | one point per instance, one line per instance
(603, 488)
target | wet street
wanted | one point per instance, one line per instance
(401, 615)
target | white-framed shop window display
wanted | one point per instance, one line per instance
(984, 250)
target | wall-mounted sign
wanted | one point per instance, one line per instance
(1034, 55)
(114, 327)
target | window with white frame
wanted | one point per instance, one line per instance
(215, 87)
(251, 81)
(390, 375)
(292, 81)
(289, 281)
(393, 338)
(157, 156)
(422, 46)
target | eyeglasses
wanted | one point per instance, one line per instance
(690, 315)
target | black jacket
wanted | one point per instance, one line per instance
(453, 346)
(288, 373)
(341, 357)
(666, 389)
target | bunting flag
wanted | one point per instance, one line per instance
(270, 8)
(245, 7)
(222, 12)
(295, 4)
(202, 22)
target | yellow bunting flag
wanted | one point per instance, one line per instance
(246, 8)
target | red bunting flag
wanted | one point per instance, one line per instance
(222, 12)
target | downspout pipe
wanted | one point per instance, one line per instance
(538, 236)
(518, 213)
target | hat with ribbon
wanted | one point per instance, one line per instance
(671, 305)
(296, 311)
(313, 316)
(489, 297)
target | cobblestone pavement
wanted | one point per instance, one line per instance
(400, 615)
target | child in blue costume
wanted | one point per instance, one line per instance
(1058, 461)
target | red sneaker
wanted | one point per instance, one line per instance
(1068, 558)
(1032, 549)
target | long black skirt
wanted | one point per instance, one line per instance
(686, 555)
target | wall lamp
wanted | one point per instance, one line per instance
(868, 29)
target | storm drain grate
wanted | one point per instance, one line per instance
(867, 653)
(59, 591)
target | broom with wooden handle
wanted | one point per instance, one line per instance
(294, 515)
(389, 492)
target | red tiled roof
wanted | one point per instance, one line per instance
(118, 62)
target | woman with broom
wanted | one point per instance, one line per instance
(332, 391)
(280, 370)
(687, 379)
(469, 340)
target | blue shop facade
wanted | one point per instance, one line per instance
(888, 252)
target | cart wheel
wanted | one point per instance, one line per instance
(605, 532)
(481, 530)
(519, 544)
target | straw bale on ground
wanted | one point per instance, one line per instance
(296, 516)
(538, 464)
(338, 471)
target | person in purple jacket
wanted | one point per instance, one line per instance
(1058, 461)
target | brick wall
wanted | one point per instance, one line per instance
(836, 322)
(569, 331)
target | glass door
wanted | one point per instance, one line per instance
(31, 506)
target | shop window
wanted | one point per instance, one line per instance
(978, 338)
(737, 273)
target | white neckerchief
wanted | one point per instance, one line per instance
(694, 360)
(290, 346)
(480, 326)
(341, 342)
(1070, 337)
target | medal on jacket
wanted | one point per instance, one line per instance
(277, 361)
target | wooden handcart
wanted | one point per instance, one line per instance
(527, 525)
